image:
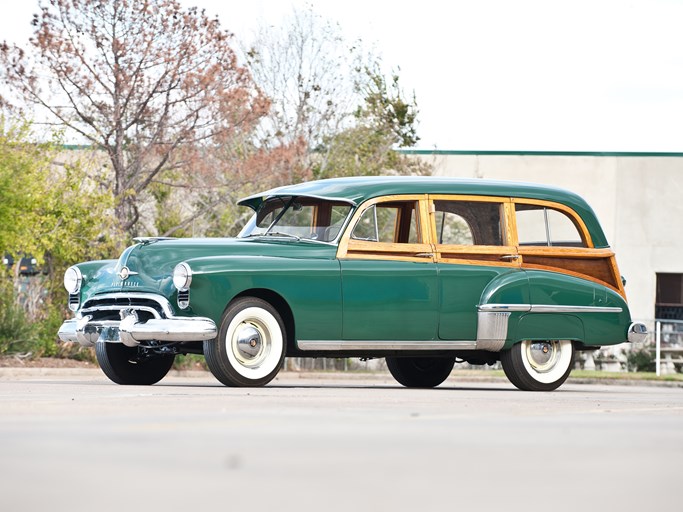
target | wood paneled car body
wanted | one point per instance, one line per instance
(421, 271)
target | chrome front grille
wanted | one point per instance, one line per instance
(109, 306)
(74, 301)
(184, 299)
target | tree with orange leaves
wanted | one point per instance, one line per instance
(152, 85)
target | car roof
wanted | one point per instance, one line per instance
(356, 190)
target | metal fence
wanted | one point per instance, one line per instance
(668, 343)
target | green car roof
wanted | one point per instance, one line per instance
(359, 189)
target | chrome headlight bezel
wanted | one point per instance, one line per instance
(73, 279)
(182, 277)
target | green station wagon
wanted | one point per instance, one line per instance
(424, 272)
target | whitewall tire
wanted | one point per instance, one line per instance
(251, 343)
(538, 365)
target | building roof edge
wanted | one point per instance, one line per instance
(538, 153)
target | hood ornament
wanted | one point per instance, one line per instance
(125, 272)
(147, 240)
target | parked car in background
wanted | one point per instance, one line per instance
(421, 271)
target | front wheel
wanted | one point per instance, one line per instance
(128, 365)
(420, 372)
(250, 347)
(538, 365)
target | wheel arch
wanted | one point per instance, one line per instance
(280, 304)
(549, 326)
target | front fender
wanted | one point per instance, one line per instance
(310, 287)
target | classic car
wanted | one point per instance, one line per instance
(422, 271)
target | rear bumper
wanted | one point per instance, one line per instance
(637, 332)
(130, 332)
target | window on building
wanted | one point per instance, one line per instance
(669, 300)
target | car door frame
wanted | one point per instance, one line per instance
(467, 272)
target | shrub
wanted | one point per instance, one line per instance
(641, 360)
(16, 332)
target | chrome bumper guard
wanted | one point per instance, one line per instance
(637, 332)
(131, 332)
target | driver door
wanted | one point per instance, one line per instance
(389, 277)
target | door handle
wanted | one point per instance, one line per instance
(425, 254)
(510, 257)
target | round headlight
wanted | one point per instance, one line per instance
(182, 276)
(73, 280)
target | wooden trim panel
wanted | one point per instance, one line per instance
(597, 265)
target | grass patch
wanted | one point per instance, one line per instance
(594, 374)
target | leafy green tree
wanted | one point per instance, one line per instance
(51, 211)
(386, 120)
(387, 110)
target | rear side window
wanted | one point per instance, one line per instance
(468, 223)
(542, 226)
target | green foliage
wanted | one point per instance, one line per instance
(190, 362)
(51, 211)
(387, 111)
(16, 332)
(168, 213)
(384, 121)
(641, 360)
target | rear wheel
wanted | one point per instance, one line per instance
(538, 365)
(250, 347)
(420, 372)
(127, 365)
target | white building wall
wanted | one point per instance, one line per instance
(638, 200)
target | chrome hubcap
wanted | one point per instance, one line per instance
(250, 343)
(542, 355)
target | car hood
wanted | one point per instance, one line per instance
(148, 266)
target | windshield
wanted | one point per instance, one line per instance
(298, 217)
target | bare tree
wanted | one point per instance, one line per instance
(151, 84)
(331, 103)
(310, 73)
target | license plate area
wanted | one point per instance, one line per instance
(109, 335)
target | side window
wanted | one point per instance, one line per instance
(541, 226)
(297, 219)
(395, 222)
(469, 223)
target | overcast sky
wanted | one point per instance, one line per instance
(522, 75)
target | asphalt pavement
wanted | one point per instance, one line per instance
(72, 441)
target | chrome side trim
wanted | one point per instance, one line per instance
(331, 345)
(546, 308)
(492, 330)
(541, 308)
(494, 308)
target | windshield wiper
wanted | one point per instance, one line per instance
(273, 233)
(279, 233)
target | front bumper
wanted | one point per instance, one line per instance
(131, 332)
